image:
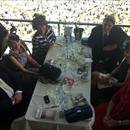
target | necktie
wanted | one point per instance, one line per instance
(105, 38)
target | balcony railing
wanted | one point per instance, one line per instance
(59, 23)
(56, 23)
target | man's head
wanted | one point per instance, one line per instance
(108, 23)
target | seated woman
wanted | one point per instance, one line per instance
(109, 83)
(42, 39)
(19, 58)
(106, 43)
(116, 114)
(21, 68)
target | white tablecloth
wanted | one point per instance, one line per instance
(56, 53)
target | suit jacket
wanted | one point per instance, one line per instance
(5, 101)
(96, 40)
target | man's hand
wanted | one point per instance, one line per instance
(110, 47)
(18, 97)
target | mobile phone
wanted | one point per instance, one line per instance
(46, 99)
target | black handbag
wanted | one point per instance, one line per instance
(78, 113)
(49, 72)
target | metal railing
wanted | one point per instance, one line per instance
(60, 23)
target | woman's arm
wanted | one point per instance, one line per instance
(127, 76)
(108, 121)
(117, 68)
(123, 122)
(20, 66)
(114, 123)
(52, 37)
(115, 99)
(31, 60)
(115, 71)
(126, 79)
(110, 108)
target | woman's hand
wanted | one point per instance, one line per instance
(104, 80)
(51, 43)
(106, 118)
(109, 122)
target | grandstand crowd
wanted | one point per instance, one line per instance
(22, 67)
(89, 11)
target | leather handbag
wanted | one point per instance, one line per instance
(50, 72)
(78, 113)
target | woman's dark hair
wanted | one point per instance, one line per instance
(38, 20)
(109, 18)
(3, 32)
(13, 37)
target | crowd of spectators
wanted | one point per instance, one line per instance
(89, 11)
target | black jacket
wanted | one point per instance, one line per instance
(5, 101)
(96, 41)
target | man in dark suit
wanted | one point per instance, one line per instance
(10, 99)
(106, 43)
(5, 100)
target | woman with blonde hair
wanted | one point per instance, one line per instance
(42, 39)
